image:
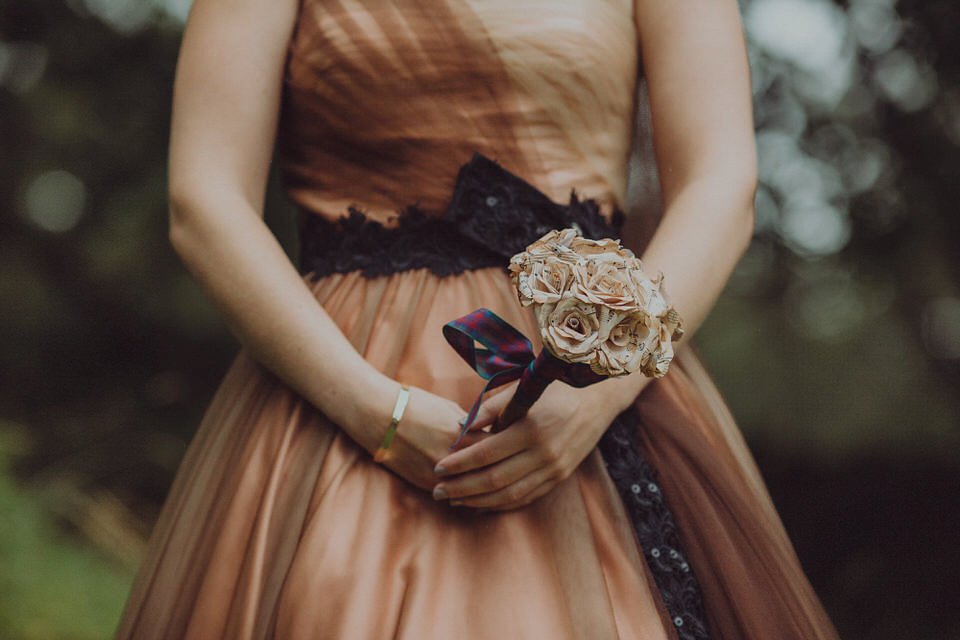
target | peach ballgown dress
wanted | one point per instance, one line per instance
(279, 526)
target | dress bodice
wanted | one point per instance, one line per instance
(385, 99)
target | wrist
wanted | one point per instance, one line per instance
(364, 407)
(616, 394)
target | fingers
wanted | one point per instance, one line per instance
(515, 495)
(492, 405)
(538, 492)
(488, 479)
(470, 438)
(489, 450)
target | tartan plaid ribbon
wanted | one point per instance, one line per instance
(505, 355)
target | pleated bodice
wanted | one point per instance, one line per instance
(280, 527)
(384, 100)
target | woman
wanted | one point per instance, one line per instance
(279, 523)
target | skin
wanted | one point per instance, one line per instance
(695, 62)
(226, 103)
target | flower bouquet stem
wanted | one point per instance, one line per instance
(533, 382)
(504, 355)
(511, 413)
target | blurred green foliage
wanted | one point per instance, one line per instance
(52, 585)
(836, 344)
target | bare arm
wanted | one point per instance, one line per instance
(226, 103)
(695, 61)
(696, 65)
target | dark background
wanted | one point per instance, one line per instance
(837, 342)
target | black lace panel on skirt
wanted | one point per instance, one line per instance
(636, 482)
(494, 215)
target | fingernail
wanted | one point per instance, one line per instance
(462, 421)
(440, 470)
(439, 493)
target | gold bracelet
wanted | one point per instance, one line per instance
(382, 453)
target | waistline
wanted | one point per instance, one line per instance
(493, 215)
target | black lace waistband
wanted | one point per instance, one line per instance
(493, 215)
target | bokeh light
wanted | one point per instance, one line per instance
(54, 201)
(836, 343)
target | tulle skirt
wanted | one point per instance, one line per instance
(279, 526)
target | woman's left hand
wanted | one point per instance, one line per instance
(516, 466)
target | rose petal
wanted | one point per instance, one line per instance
(570, 329)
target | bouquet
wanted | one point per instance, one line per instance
(598, 313)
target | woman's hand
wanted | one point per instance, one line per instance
(513, 468)
(429, 426)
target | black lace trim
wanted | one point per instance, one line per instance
(643, 499)
(493, 215)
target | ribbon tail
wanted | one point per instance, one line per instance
(495, 381)
(504, 357)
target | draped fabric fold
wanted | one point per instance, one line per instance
(279, 526)
(751, 579)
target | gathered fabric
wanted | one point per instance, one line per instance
(279, 526)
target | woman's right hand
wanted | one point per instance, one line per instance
(430, 425)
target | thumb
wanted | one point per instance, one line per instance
(491, 407)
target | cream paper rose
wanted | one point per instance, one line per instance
(605, 282)
(622, 338)
(660, 349)
(672, 321)
(552, 240)
(670, 318)
(586, 247)
(595, 305)
(570, 329)
(555, 244)
(547, 281)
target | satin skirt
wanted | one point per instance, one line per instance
(279, 526)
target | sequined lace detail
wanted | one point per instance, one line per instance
(636, 482)
(493, 215)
